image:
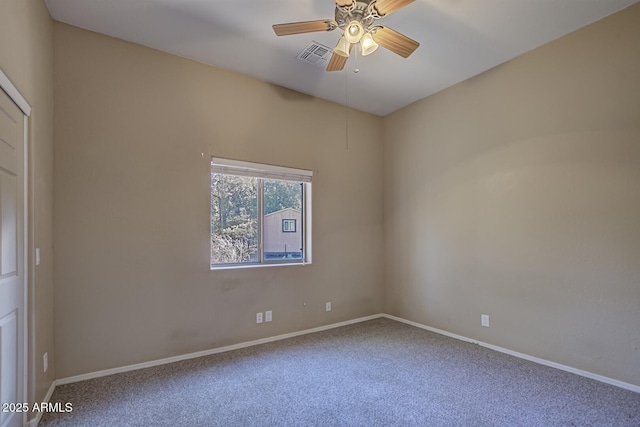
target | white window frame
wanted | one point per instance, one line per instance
(263, 171)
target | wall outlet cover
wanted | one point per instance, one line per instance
(484, 320)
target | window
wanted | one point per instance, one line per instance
(288, 225)
(260, 214)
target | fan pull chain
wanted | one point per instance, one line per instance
(346, 111)
(355, 54)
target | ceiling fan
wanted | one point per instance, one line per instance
(357, 18)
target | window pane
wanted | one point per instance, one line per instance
(282, 220)
(234, 219)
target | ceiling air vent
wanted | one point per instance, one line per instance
(316, 54)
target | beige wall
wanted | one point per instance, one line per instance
(26, 57)
(132, 205)
(517, 194)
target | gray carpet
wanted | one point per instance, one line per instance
(376, 373)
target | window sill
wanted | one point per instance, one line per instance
(235, 267)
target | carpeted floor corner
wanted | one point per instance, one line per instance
(375, 373)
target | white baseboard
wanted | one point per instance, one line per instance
(36, 420)
(173, 359)
(576, 371)
(106, 372)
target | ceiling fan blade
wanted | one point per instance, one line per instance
(343, 3)
(385, 7)
(337, 62)
(305, 27)
(395, 42)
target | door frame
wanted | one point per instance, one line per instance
(15, 95)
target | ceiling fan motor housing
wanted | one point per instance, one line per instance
(359, 12)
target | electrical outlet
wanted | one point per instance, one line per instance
(268, 315)
(484, 320)
(45, 361)
(328, 307)
(259, 317)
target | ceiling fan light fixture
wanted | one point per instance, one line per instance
(353, 32)
(343, 47)
(368, 44)
(357, 21)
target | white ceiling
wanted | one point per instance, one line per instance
(458, 39)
